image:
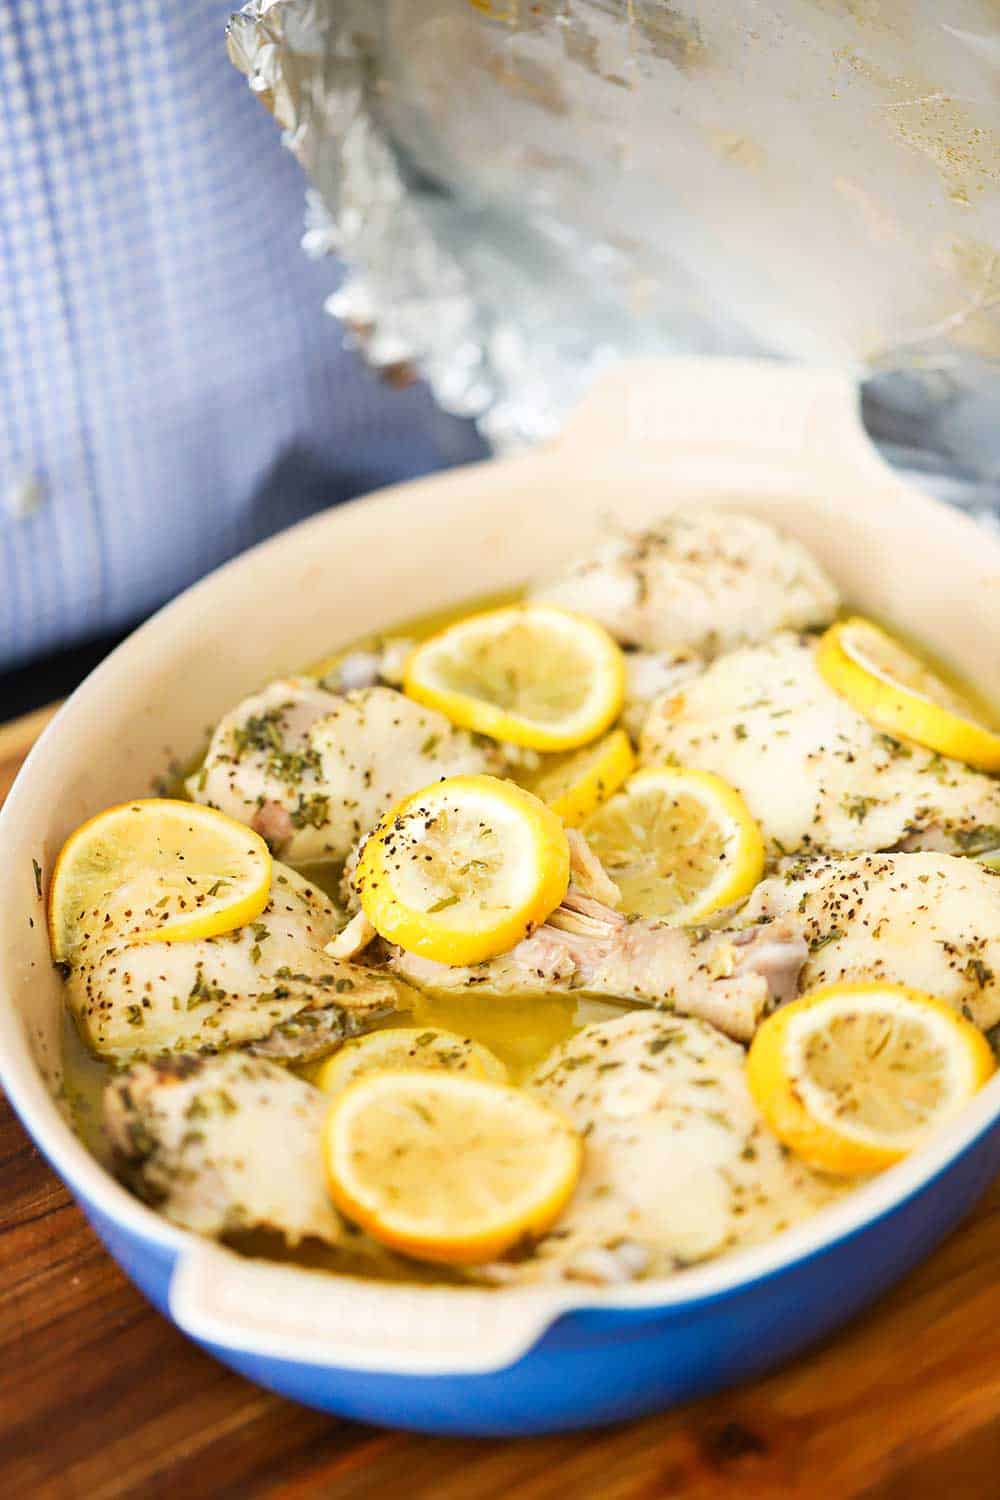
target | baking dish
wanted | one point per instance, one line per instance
(780, 442)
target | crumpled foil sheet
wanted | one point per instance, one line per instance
(525, 191)
(406, 298)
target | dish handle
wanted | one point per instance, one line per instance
(663, 408)
(274, 1311)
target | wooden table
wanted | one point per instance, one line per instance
(100, 1397)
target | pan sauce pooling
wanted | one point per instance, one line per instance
(524, 995)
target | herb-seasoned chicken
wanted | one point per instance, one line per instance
(223, 1145)
(313, 770)
(262, 768)
(728, 978)
(652, 675)
(814, 772)
(269, 986)
(705, 579)
(383, 666)
(927, 920)
(678, 1165)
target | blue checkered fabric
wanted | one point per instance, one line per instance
(169, 388)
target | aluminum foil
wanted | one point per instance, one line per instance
(523, 192)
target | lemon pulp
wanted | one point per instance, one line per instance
(899, 692)
(531, 675)
(853, 1076)
(678, 844)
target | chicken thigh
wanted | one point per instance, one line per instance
(312, 770)
(652, 675)
(814, 772)
(700, 578)
(223, 1145)
(931, 921)
(384, 665)
(678, 1165)
(268, 986)
(730, 979)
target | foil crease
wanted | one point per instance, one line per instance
(522, 193)
(405, 298)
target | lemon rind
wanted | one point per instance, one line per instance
(899, 710)
(847, 1151)
(434, 936)
(225, 917)
(480, 1058)
(598, 712)
(438, 1243)
(737, 877)
(605, 776)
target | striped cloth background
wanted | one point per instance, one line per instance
(170, 390)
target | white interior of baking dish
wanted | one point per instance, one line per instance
(780, 442)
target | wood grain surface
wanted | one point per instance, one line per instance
(101, 1398)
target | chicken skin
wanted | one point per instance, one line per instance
(931, 921)
(814, 772)
(704, 579)
(678, 1164)
(268, 986)
(730, 979)
(223, 1145)
(312, 770)
(651, 675)
(928, 920)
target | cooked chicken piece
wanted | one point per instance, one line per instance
(927, 920)
(651, 675)
(353, 938)
(262, 768)
(815, 773)
(320, 1027)
(702, 578)
(730, 979)
(383, 666)
(223, 1145)
(376, 747)
(678, 1165)
(269, 985)
(587, 875)
(313, 770)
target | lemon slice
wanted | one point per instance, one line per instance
(464, 869)
(530, 674)
(854, 1076)
(410, 1049)
(157, 870)
(679, 844)
(448, 1168)
(575, 783)
(900, 694)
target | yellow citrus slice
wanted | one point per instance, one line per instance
(900, 694)
(679, 844)
(464, 869)
(854, 1076)
(575, 783)
(448, 1168)
(157, 870)
(408, 1048)
(530, 674)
